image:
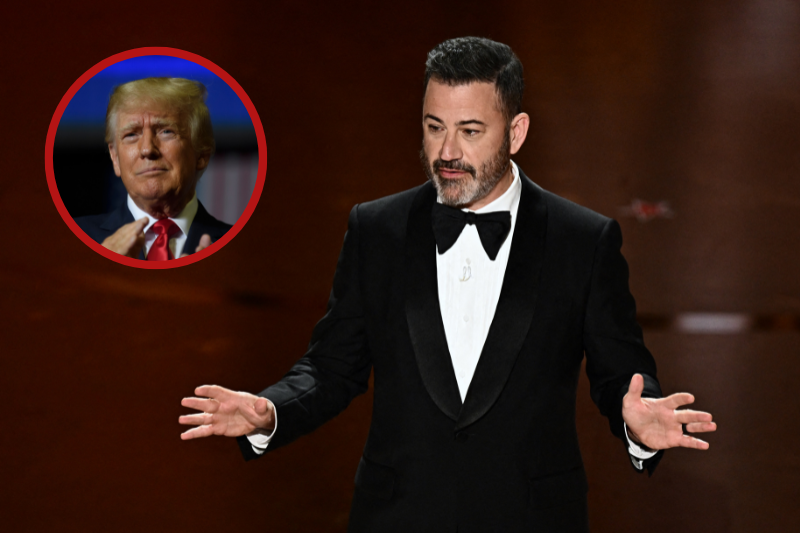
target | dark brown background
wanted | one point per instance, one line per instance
(692, 102)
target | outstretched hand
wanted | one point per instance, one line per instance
(226, 412)
(658, 424)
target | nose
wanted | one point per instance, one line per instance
(148, 146)
(451, 148)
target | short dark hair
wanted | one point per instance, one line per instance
(467, 59)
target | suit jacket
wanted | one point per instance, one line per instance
(98, 227)
(507, 459)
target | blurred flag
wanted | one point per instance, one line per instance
(227, 184)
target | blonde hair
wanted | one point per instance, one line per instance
(187, 96)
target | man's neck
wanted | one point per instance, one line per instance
(187, 211)
(159, 210)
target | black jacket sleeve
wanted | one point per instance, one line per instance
(612, 338)
(337, 365)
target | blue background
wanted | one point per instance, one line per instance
(88, 106)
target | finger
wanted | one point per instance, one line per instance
(127, 238)
(201, 404)
(259, 414)
(119, 241)
(249, 411)
(687, 441)
(636, 387)
(196, 433)
(687, 416)
(205, 242)
(197, 419)
(701, 427)
(136, 247)
(673, 401)
(261, 406)
(210, 391)
(138, 225)
(133, 228)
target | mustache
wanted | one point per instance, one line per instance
(456, 164)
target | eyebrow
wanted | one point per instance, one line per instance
(130, 125)
(460, 123)
(162, 122)
(157, 123)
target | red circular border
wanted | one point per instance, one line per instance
(262, 157)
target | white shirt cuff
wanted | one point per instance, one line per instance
(259, 438)
(636, 450)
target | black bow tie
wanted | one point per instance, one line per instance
(449, 222)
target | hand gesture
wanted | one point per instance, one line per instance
(205, 242)
(226, 412)
(658, 424)
(127, 240)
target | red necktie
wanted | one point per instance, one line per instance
(159, 251)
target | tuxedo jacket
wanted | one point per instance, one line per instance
(507, 458)
(98, 227)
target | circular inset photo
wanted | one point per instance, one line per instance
(155, 158)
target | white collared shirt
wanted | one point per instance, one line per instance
(469, 287)
(183, 221)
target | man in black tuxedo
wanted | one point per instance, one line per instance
(160, 140)
(476, 337)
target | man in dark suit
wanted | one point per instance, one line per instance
(476, 335)
(160, 140)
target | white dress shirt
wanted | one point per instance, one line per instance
(469, 289)
(183, 221)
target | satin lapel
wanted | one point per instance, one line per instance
(422, 307)
(196, 230)
(514, 313)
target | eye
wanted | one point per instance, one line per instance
(434, 128)
(471, 133)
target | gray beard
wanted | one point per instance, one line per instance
(471, 188)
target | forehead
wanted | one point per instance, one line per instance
(139, 112)
(476, 100)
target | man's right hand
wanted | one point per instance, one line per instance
(129, 239)
(226, 412)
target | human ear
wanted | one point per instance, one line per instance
(202, 160)
(518, 131)
(112, 151)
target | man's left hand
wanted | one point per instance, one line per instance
(658, 424)
(205, 242)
